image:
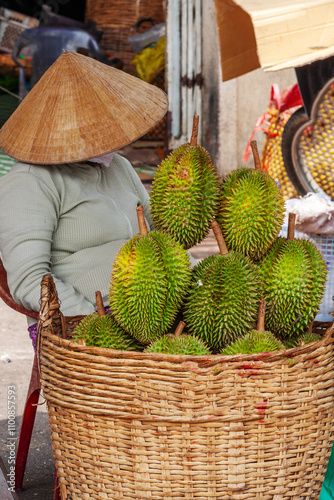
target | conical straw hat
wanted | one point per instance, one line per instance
(80, 109)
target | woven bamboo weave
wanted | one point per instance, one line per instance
(130, 425)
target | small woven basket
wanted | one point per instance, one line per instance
(131, 425)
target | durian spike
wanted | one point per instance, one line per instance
(193, 140)
(291, 226)
(179, 329)
(261, 315)
(99, 304)
(256, 156)
(219, 237)
(141, 221)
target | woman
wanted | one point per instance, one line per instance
(65, 210)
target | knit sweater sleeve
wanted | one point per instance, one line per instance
(137, 185)
(29, 211)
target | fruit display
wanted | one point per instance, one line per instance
(102, 330)
(223, 297)
(179, 344)
(251, 212)
(185, 193)
(153, 286)
(294, 276)
(257, 340)
(150, 277)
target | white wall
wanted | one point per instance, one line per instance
(241, 101)
(230, 109)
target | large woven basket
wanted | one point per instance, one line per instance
(127, 425)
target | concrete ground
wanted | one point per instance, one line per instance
(16, 358)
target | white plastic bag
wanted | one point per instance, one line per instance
(141, 40)
(314, 213)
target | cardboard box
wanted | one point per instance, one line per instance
(273, 35)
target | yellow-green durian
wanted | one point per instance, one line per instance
(255, 341)
(150, 277)
(179, 344)
(185, 194)
(251, 211)
(294, 276)
(103, 331)
(305, 338)
(223, 299)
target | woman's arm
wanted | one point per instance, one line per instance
(29, 211)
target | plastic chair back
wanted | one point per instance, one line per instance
(8, 299)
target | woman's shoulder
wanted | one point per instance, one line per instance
(28, 168)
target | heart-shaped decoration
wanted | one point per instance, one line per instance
(312, 147)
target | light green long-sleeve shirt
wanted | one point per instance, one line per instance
(68, 220)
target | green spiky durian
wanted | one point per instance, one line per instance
(294, 276)
(187, 345)
(305, 338)
(150, 277)
(179, 344)
(103, 331)
(251, 211)
(254, 342)
(319, 272)
(185, 194)
(223, 299)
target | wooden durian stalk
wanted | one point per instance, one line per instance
(291, 226)
(256, 156)
(194, 135)
(261, 316)
(219, 237)
(99, 304)
(141, 221)
(179, 329)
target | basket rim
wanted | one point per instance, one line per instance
(267, 356)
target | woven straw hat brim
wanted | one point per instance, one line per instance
(80, 109)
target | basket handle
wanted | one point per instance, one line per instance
(50, 306)
(329, 332)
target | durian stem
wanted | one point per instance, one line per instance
(141, 221)
(179, 329)
(193, 140)
(291, 226)
(256, 156)
(99, 304)
(219, 237)
(261, 315)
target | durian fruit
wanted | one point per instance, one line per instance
(251, 211)
(179, 344)
(294, 277)
(257, 340)
(185, 193)
(223, 297)
(150, 277)
(101, 330)
(305, 338)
